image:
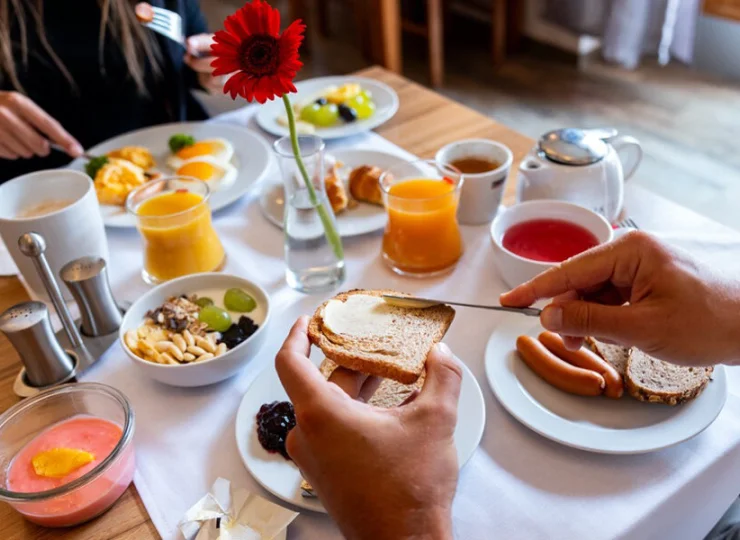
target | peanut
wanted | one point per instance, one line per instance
(167, 359)
(179, 342)
(221, 349)
(206, 356)
(168, 347)
(188, 357)
(197, 351)
(205, 344)
(188, 337)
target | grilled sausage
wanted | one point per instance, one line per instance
(557, 372)
(583, 358)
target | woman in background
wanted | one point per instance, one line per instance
(77, 73)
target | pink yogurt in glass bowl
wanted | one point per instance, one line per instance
(91, 417)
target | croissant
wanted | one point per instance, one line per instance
(364, 184)
(336, 192)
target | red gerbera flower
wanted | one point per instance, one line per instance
(263, 61)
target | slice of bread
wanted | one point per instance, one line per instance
(398, 354)
(389, 394)
(616, 355)
(655, 381)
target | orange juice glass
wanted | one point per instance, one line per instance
(174, 219)
(422, 237)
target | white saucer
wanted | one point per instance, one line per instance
(252, 157)
(363, 219)
(385, 98)
(602, 425)
(282, 478)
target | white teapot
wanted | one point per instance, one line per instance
(587, 167)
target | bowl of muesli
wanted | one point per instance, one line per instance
(196, 330)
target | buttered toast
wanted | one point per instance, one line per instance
(359, 331)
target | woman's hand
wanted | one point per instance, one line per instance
(26, 129)
(380, 473)
(199, 59)
(677, 309)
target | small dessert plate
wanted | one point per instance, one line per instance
(283, 479)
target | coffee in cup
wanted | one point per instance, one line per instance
(485, 165)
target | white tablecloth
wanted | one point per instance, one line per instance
(517, 485)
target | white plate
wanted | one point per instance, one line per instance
(385, 98)
(595, 424)
(252, 157)
(283, 479)
(364, 219)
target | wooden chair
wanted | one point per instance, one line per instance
(386, 17)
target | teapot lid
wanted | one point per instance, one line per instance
(572, 146)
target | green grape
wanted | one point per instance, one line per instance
(363, 106)
(204, 301)
(216, 318)
(238, 300)
(308, 113)
(326, 116)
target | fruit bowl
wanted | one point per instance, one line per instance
(202, 372)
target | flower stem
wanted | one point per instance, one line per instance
(331, 233)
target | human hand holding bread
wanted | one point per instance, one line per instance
(637, 291)
(381, 473)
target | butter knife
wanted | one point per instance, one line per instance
(414, 302)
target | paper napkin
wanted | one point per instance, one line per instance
(234, 514)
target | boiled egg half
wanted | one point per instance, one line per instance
(219, 149)
(217, 174)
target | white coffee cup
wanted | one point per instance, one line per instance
(481, 193)
(71, 232)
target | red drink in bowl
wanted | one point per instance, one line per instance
(66, 455)
(548, 240)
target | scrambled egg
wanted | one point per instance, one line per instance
(138, 155)
(116, 179)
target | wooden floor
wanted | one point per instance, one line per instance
(688, 123)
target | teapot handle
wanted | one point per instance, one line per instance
(628, 147)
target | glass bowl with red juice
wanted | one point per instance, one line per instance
(91, 419)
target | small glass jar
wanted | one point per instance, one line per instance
(174, 219)
(422, 237)
(92, 493)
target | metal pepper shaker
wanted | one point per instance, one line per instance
(87, 279)
(33, 245)
(28, 328)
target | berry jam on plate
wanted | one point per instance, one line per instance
(274, 421)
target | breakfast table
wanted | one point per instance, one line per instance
(517, 484)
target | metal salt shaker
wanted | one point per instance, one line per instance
(28, 328)
(87, 280)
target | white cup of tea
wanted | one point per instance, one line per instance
(485, 165)
(61, 205)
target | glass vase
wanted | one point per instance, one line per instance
(313, 252)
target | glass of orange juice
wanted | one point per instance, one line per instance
(174, 219)
(422, 237)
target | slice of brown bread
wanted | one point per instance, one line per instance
(399, 354)
(389, 394)
(655, 381)
(616, 355)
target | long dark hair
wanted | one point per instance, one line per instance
(117, 17)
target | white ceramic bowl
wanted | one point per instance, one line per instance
(516, 270)
(209, 371)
